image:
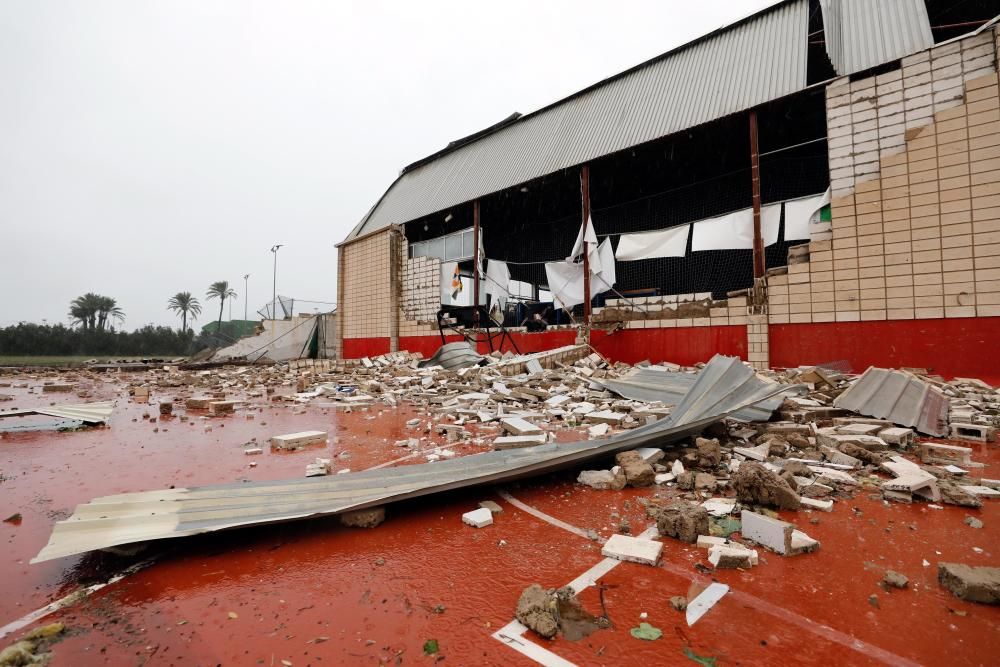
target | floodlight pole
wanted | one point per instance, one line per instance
(274, 283)
(246, 298)
(585, 196)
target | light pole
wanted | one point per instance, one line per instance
(246, 299)
(274, 284)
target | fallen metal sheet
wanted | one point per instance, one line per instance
(88, 413)
(899, 396)
(454, 355)
(647, 384)
(723, 387)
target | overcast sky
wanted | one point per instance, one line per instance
(148, 148)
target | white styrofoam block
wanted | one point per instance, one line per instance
(634, 549)
(479, 518)
(774, 534)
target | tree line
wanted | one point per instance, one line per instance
(91, 331)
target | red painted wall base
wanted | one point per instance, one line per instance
(688, 345)
(968, 346)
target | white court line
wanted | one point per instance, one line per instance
(590, 577)
(539, 514)
(512, 635)
(73, 597)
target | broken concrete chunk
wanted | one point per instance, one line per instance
(683, 520)
(730, 556)
(813, 503)
(299, 440)
(755, 484)
(633, 549)
(518, 441)
(895, 579)
(709, 452)
(603, 480)
(479, 518)
(366, 518)
(536, 610)
(637, 471)
(972, 584)
(774, 534)
(518, 426)
(598, 430)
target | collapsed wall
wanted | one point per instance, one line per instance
(908, 274)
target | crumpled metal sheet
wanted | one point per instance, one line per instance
(88, 413)
(670, 387)
(724, 386)
(452, 356)
(899, 396)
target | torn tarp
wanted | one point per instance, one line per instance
(724, 386)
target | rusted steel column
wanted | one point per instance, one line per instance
(758, 241)
(585, 196)
(475, 262)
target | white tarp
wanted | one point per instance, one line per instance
(800, 213)
(590, 238)
(770, 223)
(498, 281)
(604, 279)
(565, 282)
(734, 231)
(647, 245)
(565, 278)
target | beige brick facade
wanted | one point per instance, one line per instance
(365, 295)
(915, 173)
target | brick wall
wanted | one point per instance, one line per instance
(421, 289)
(365, 298)
(915, 174)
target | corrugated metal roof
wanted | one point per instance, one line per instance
(724, 386)
(900, 397)
(861, 34)
(730, 70)
(649, 384)
(89, 413)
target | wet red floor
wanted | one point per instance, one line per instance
(312, 593)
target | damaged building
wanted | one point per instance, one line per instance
(817, 182)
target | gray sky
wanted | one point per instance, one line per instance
(152, 147)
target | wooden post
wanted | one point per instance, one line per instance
(758, 241)
(585, 196)
(475, 262)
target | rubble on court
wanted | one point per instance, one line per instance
(478, 518)
(549, 612)
(366, 518)
(972, 584)
(634, 549)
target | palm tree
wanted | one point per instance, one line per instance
(83, 310)
(91, 311)
(221, 291)
(108, 307)
(184, 303)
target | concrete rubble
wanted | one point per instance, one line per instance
(811, 456)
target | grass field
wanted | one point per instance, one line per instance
(70, 360)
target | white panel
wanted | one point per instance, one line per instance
(647, 245)
(799, 213)
(733, 231)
